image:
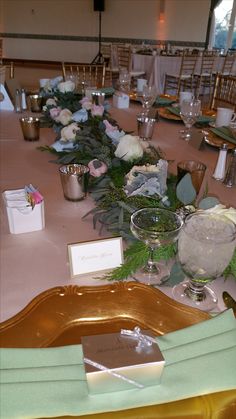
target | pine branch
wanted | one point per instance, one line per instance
(135, 257)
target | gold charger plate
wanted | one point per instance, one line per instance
(59, 316)
(164, 113)
(214, 140)
(135, 96)
(166, 96)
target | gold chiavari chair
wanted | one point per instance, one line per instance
(185, 78)
(106, 53)
(11, 81)
(205, 79)
(124, 60)
(224, 93)
(10, 70)
(90, 74)
(228, 64)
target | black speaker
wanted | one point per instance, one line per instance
(98, 5)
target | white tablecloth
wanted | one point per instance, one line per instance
(157, 66)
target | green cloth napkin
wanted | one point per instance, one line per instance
(174, 109)
(224, 133)
(164, 101)
(109, 91)
(49, 382)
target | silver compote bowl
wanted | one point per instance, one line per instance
(155, 227)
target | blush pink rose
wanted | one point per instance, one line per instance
(54, 112)
(86, 103)
(97, 168)
(97, 110)
(109, 127)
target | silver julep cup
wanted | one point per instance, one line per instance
(145, 126)
(98, 98)
(74, 178)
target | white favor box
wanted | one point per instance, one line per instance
(22, 218)
(120, 100)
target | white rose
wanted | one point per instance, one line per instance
(151, 168)
(64, 117)
(66, 86)
(69, 133)
(51, 102)
(129, 148)
(220, 209)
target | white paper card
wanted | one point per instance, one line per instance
(5, 101)
(93, 256)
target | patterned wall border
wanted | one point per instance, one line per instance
(103, 39)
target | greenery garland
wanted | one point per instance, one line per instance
(113, 207)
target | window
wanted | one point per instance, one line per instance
(223, 30)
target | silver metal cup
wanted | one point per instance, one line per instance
(74, 179)
(98, 98)
(145, 126)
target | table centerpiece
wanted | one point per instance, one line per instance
(126, 173)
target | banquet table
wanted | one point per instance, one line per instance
(34, 262)
(156, 66)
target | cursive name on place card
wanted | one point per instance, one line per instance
(94, 256)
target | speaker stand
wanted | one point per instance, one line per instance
(99, 57)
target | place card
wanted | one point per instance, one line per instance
(96, 255)
(5, 101)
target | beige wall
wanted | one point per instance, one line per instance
(185, 20)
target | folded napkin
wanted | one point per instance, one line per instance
(109, 91)
(175, 110)
(224, 133)
(51, 382)
(162, 101)
(205, 119)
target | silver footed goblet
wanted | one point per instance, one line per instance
(205, 247)
(156, 227)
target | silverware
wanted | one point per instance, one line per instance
(229, 301)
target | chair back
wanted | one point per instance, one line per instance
(208, 62)
(124, 56)
(2, 74)
(224, 93)
(92, 74)
(106, 53)
(10, 70)
(228, 64)
(188, 63)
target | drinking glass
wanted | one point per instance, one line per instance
(124, 80)
(189, 112)
(148, 97)
(205, 247)
(155, 227)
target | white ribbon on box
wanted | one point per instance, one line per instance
(144, 341)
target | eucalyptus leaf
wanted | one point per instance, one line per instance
(185, 191)
(208, 202)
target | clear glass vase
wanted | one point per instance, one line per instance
(205, 247)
